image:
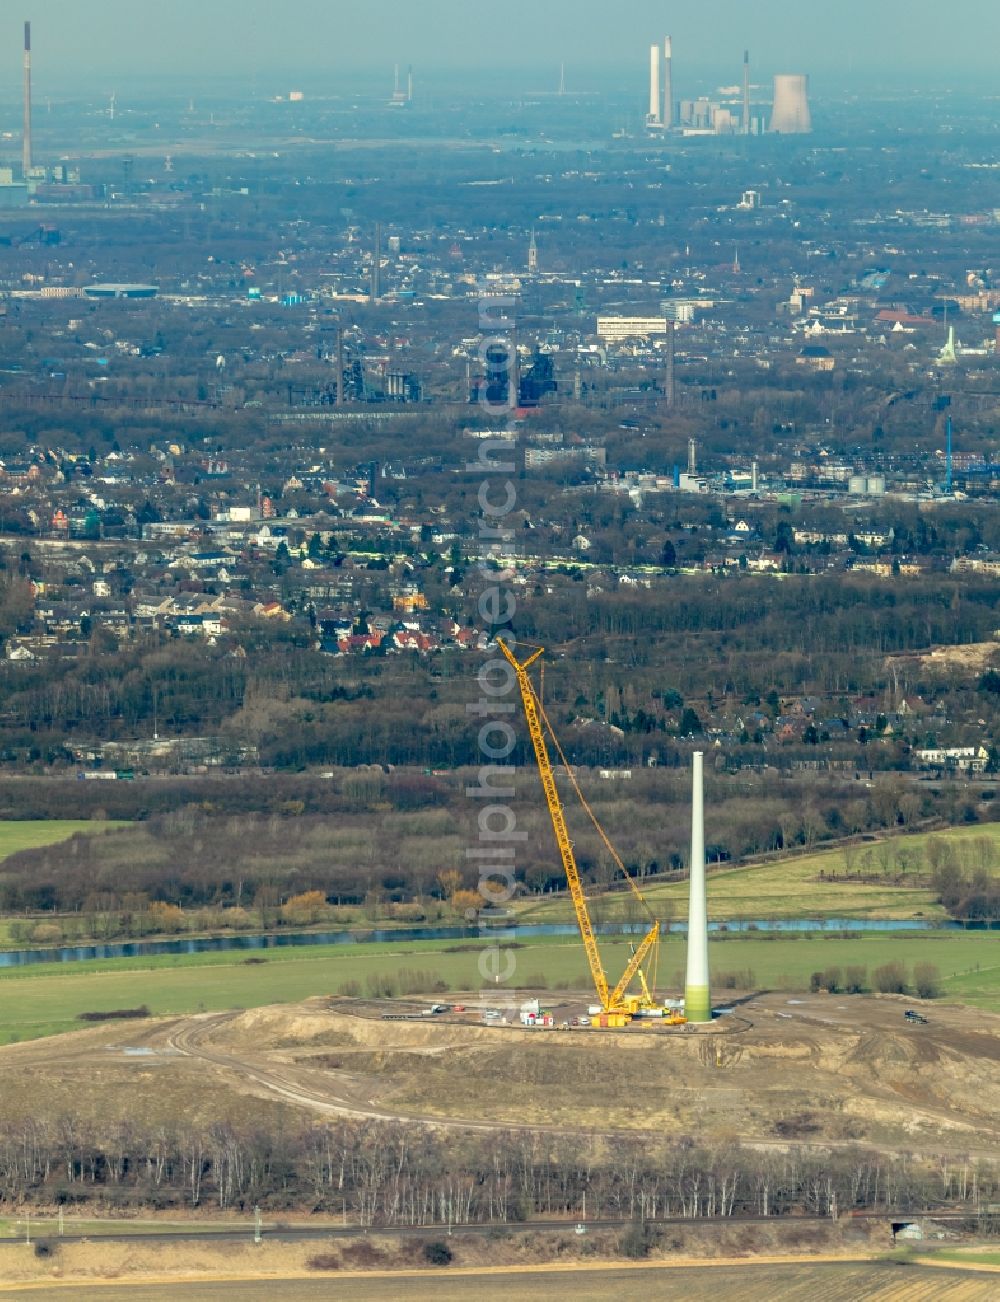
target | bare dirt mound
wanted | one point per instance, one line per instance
(793, 1070)
(835, 1073)
(879, 1052)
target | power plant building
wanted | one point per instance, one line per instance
(668, 83)
(790, 115)
(653, 116)
(661, 95)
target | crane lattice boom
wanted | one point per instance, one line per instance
(616, 1000)
(558, 819)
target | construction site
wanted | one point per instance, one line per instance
(774, 1069)
(779, 1073)
(618, 1005)
(541, 1126)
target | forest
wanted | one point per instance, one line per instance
(627, 662)
(390, 1174)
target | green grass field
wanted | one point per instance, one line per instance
(966, 1257)
(28, 834)
(46, 999)
(781, 888)
(791, 887)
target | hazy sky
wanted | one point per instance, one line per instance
(102, 39)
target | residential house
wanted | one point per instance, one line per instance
(964, 759)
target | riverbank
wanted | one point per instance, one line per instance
(850, 887)
(257, 942)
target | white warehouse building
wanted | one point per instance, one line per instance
(613, 329)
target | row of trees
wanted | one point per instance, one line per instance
(890, 978)
(965, 878)
(391, 1174)
(393, 846)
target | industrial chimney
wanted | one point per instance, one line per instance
(653, 116)
(669, 370)
(746, 92)
(26, 145)
(668, 83)
(376, 279)
(791, 105)
(697, 995)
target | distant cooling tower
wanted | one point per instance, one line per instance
(791, 115)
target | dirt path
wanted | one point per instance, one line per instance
(193, 1038)
(283, 1082)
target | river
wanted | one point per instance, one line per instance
(252, 944)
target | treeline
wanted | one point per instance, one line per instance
(391, 1174)
(963, 872)
(279, 794)
(378, 846)
(890, 978)
(839, 614)
(965, 878)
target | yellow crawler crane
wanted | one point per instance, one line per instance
(618, 1005)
